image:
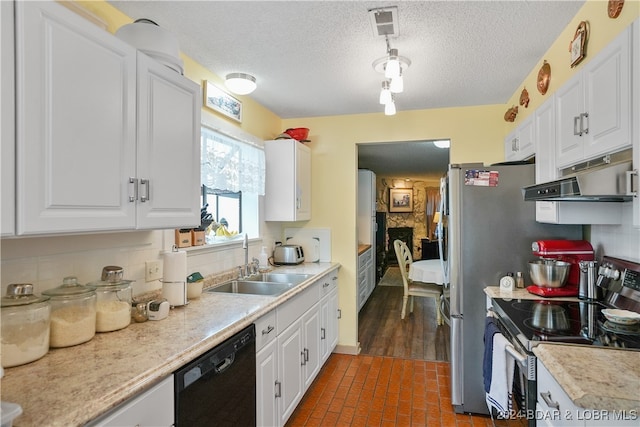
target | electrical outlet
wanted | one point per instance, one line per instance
(152, 271)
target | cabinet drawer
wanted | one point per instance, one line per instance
(265, 329)
(293, 309)
(328, 283)
(365, 257)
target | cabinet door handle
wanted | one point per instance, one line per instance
(546, 396)
(133, 198)
(279, 387)
(323, 333)
(306, 355)
(629, 183)
(324, 285)
(576, 132)
(584, 129)
(268, 330)
(339, 314)
(145, 197)
(303, 362)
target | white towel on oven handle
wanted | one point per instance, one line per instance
(500, 395)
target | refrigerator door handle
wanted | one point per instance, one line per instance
(457, 316)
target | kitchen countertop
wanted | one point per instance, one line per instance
(73, 385)
(594, 378)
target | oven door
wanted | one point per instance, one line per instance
(524, 380)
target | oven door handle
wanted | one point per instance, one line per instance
(522, 360)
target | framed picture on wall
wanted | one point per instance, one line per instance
(400, 200)
(221, 102)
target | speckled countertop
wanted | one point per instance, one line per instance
(73, 385)
(594, 378)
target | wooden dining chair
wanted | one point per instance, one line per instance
(415, 289)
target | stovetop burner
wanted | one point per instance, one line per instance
(571, 322)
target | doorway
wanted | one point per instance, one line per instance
(402, 164)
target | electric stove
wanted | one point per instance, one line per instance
(578, 322)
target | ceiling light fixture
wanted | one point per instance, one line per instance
(392, 66)
(442, 143)
(385, 93)
(240, 83)
(390, 108)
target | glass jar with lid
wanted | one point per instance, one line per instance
(25, 325)
(114, 296)
(73, 313)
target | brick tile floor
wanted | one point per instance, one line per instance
(382, 391)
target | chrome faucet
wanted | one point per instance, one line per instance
(247, 269)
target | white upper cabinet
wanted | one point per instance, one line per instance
(7, 123)
(593, 109)
(288, 181)
(92, 141)
(168, 149)
(636, 123)
(520, 144)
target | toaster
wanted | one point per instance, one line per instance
(288, 255)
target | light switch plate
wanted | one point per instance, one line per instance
(152, 271)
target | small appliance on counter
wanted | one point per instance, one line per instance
(288, 254)
(561, 251)
(174, 281)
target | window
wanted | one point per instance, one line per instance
(232, 178)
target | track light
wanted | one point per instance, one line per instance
(385, 93)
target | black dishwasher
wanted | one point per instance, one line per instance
(219, 388)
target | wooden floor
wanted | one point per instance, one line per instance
(382, 333)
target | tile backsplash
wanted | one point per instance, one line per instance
(621, 241)
(45, 261)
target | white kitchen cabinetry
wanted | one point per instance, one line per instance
(366, 277)
(168, 148)
(555, 408)
(153, 408)
(7, 120)
(593, 109)
(636, 123)
(328, 315)
(286, 365)
(287, 181)
(101, 129)
(520, 144)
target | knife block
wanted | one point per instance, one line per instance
(197, 237)
(183, 238)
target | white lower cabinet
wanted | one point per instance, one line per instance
(366, 277)
(555, 408)
(307, 332)
(154, 408)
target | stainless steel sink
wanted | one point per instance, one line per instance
(252, 287)
(294, 278)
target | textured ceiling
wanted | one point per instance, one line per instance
(314, 58)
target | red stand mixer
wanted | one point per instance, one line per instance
(571, 251)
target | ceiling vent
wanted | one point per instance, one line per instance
(384, 21)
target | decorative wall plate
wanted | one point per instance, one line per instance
(614, 8)
(524, 98)
(578, 46)
(544, 77)
(510, 115)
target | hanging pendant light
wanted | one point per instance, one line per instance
(385, 93)
(390, 108)
(240, 83)
(397, 84)
(392, 68)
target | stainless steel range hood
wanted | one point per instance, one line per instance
(606, 179)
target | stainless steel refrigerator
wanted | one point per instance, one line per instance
(489, 231)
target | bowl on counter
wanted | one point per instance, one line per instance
(549, 273)
(621, 317)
